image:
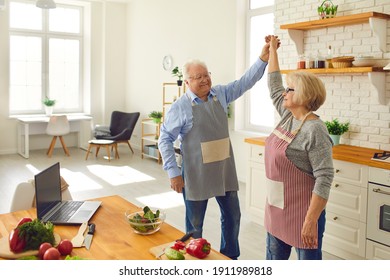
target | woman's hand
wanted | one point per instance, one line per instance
(310, 234)
(177, 184)
(264, 56)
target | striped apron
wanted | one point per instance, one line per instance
(209, 167)
(289, 189)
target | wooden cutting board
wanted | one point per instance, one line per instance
(155, 251)
(6, 253)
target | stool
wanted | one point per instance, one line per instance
(98, 143)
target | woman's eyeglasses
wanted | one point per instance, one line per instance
(289, 89)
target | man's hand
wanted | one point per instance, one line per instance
(264, 56)
(177, 184)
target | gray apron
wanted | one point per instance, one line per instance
(209, 168)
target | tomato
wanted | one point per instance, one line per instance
(65, 247)
(43, 248)
(52, 254)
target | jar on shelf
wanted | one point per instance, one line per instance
(301, 63)
(319, 62)
(309, 62)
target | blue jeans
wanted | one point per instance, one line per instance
(230, 221)
(278, 250)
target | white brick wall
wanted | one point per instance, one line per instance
(349, 97)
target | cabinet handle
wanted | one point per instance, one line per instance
(335, 218)
(337, 170)
(336, 185)
(260, 154)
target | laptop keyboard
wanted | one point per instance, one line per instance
(66, 211)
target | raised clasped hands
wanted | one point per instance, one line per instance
(269, 39)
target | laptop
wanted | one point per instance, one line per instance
(49, 203)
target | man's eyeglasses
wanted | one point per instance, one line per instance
(201, 77)
(289, 89)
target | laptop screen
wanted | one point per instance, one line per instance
(47, 189)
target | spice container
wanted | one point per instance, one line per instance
(301, 64)
(309, 62)
(319, 62)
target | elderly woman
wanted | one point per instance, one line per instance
(299, 167)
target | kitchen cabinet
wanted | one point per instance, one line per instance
(255, 188)
(378, 25)
(150, 132)
(376, 251)
(345, 233)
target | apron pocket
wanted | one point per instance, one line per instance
(216, 150)
(275, 193)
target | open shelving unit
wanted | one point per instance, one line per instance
(378, 25)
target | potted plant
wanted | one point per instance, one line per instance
(327, 9)
(336, 129)
(156, 116)
(176, 72)
(49, 104)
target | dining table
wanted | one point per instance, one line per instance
(113, 238)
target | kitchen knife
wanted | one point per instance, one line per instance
(184, 238)
(88, 237)
(78, 240)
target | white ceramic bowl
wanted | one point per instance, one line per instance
(371, 62)
(144, 226)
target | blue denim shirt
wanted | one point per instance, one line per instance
(178, 120)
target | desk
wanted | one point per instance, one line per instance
(113, 239)
(37, 125)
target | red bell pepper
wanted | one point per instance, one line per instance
(198, 248)
(17, 243)
(23, 221)
(179, 245)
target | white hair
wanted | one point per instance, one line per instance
(192, 62)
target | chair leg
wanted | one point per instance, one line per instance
(64, 146)
(52, 144)
(128, 143)
(89, 149)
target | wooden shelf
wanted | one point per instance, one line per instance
(376, 76)
(338, 70)
(377, 21)
(336, 21)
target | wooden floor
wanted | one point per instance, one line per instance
(140, 181)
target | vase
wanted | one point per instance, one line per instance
(49, 110)
(179, 83)
(335, 139)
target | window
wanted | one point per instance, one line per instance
(45, 57)
(259, 110)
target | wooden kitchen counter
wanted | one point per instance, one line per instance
(348, 153)
(114, 239)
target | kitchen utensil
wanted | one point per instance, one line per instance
(88, 237)
(78, 240)
(184, 238)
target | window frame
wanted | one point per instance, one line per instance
(248, 126)
(45, 35)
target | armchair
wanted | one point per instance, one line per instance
(121, 128)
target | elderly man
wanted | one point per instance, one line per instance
(199, 120)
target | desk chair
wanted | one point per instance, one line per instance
(58, 126)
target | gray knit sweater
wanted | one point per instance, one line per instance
(311, 149)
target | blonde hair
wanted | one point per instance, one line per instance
(188, 64)
(309, 90)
